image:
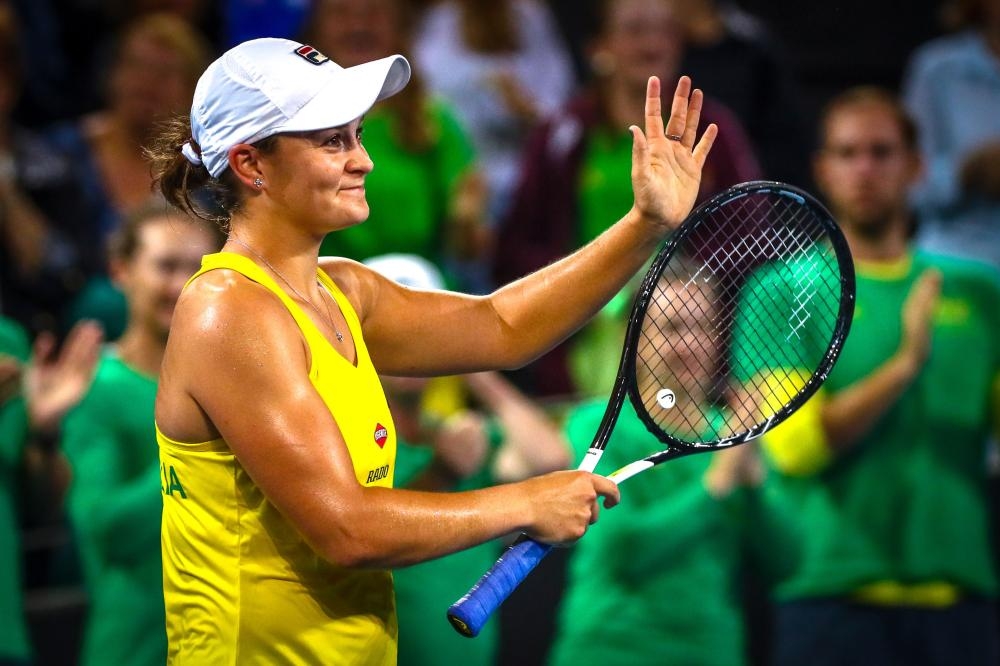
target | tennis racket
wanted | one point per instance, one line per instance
(743, 312)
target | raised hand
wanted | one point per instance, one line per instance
(667, 161)
(918, 317)
(55, 383)
(461, 444)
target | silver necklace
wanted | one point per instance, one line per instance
(329, 315)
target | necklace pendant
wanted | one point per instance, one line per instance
(340, 336)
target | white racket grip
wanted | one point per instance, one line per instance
(470, 613)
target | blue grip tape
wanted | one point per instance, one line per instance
(470, 613)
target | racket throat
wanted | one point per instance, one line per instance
(630, 470)
(590, 460)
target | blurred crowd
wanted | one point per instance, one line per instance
(508, 149)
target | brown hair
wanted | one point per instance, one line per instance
(868, 96)
(190, 187)
(174, 33)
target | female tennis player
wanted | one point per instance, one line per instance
(277, 449)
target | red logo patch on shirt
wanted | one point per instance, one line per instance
(381, 434)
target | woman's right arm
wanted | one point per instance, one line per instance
(234, 345)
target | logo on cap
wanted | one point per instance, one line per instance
(311, 54)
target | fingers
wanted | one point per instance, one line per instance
(678, 123)
(685, 116)
(654, 109)
(929, 283)
(693, 117)
(607, 489)
(83, 345)
(44, 345)
(705, 144)
(640, 149)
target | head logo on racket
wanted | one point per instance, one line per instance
(666, 398)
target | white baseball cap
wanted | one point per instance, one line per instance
(266, 86)
(409, 270)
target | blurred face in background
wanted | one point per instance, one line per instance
(865, 167)
(155, 72)
(640, 38)
(352, 32)
(680, 326)
(167, 252)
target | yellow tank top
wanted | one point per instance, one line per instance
(241, 585)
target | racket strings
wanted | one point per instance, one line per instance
(738, 320)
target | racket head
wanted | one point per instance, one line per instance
(744, 312)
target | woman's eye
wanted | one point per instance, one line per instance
(334, 140)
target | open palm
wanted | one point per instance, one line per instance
(55, 382)
(667, 161)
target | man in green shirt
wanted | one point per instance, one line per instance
(114, 500)
(886, 464)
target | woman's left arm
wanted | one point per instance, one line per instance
(415, 333)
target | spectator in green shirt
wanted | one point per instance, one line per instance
(426, 196)
(114, 500)
(37, 387)
(886, 464)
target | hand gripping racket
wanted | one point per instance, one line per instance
(744, 310)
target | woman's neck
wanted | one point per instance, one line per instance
(890, 245)
(141, 349)
(292, 257)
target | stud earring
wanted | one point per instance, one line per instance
(258, 183)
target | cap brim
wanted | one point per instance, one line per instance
(350, 93)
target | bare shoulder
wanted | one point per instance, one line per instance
(223, 303)
(225, 320)
(229, 336)
(359, 283)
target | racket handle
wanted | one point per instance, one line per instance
(469, 614)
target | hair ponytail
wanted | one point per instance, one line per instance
(185, 185)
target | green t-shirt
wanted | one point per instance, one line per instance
(655, 580)
(908, 502)
(408, 192)
(13, 436)
(114, 505)
(425, 591)
(604, 194)
(794, 303)
(604, 191)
